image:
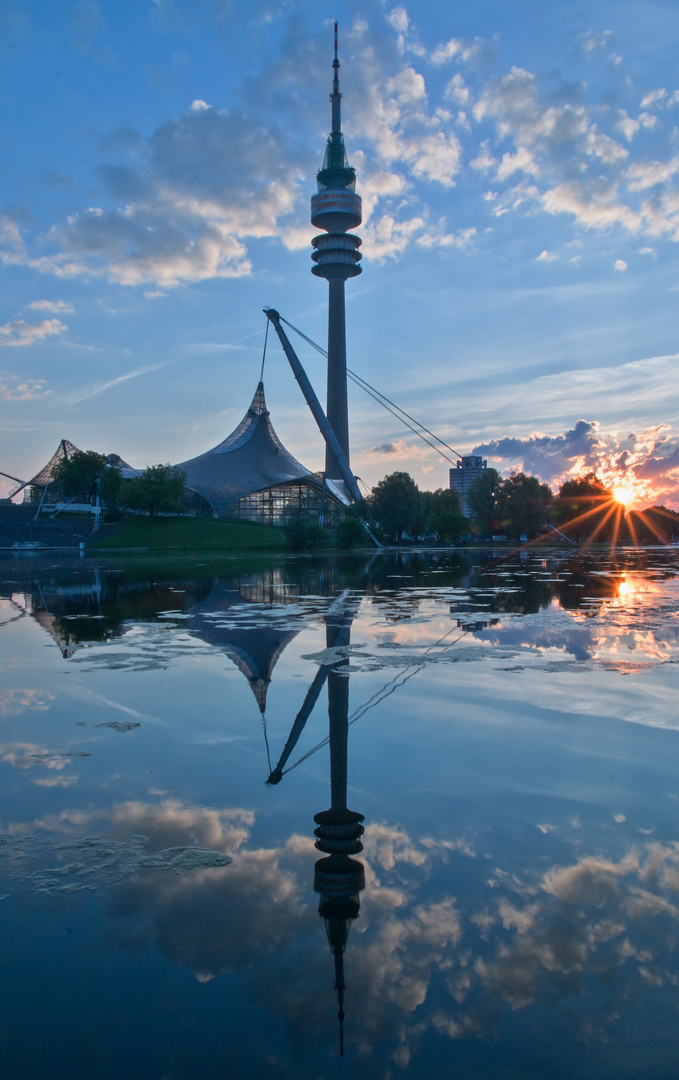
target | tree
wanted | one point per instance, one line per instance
(79, 475)
(585, 507)
(483, 501)
(350, 532)
(525, 505)
(395, 504)
(159, 488)
(654, 525)
(302, 535)
(442, 514)
(111, 483)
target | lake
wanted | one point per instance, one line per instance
(483, 745)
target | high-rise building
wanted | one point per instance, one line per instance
(467, 470)
(336, 208)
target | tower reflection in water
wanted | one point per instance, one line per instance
(338, 878)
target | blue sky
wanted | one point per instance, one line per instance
(518, 164)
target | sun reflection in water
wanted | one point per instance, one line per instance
(635, 588)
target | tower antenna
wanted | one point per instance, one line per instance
(336, 208)
(335, 96)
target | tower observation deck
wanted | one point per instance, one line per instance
(336, 208)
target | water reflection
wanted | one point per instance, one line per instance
(89, 605)
(517, 896)
(254, 649)
(338, 879)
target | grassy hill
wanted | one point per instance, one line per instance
(191, 533)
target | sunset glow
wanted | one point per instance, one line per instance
(623, 495)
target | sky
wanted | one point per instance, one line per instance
(518, 163)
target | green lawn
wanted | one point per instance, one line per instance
(146, 532)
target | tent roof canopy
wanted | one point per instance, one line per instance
(250, 459)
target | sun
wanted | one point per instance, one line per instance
(623, 495)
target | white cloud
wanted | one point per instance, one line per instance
(388, 237)
(645, 174)
(620, 265)
(523, 194)
(13, 702)
(590, 41)
(20, 332)
(407, 86)
(547, 256)
(28, 755)
(606, 446)
(521, 161)
(595, 205)
(399, 19)
(484, 160)
(648, 120)
(14, 389)
(206, 181)
(513, 102)
(13, 252)
(56, 781)
(653, 98)
(606, 149)
(458, 48)
(580, 169)
(392, 119)
(457, 91)
(443, 53)
(435, 157)
(661, 214)
(58, 307)
(438, 237)
(548, 457)
(382, 185)
(175, 239)
(186, 203)
(627, 394)
(627, 125)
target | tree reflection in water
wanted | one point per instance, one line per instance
(562, 925)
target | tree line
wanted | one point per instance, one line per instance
(516, 507)
(86, 474)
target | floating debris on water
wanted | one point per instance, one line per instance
(120, 725)
(99, 864)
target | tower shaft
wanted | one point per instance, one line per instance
(338, 713)
(337, 405)
(336, 208)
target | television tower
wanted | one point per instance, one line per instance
(336, 208)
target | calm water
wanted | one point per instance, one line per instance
(509, 728)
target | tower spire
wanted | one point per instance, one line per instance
(336, 208)
(336, 97)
